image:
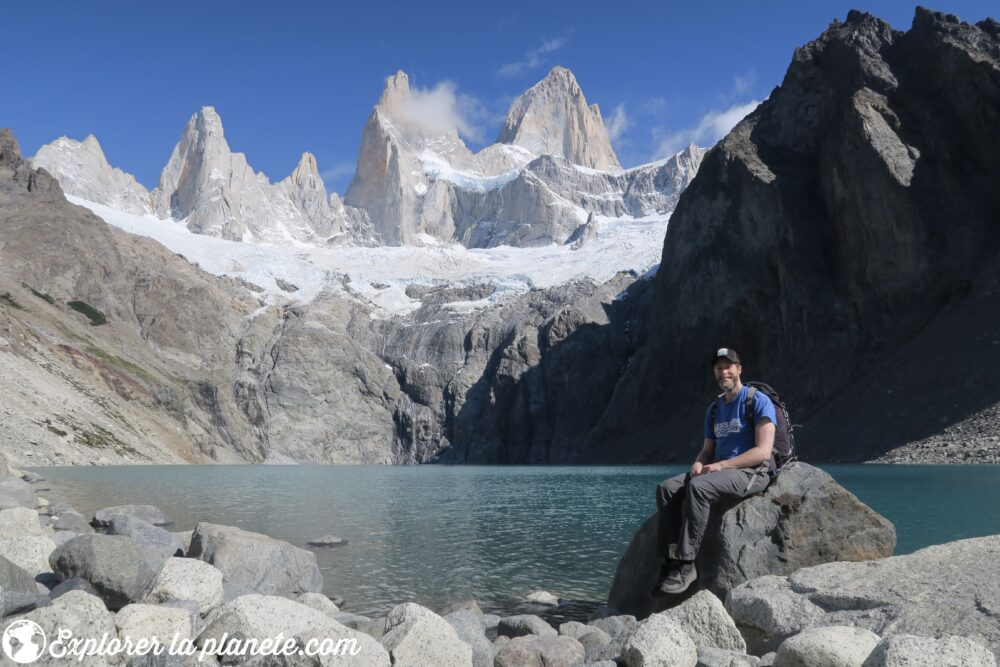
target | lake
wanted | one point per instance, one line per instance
(437, 534)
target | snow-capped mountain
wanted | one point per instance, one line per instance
(416, 182)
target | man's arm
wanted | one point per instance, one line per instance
(704, 457)
(753, 457)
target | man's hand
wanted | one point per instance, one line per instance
(712, 467)
(696, 468)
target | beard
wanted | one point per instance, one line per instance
(727, 383)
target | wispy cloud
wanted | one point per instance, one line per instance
(337, 171)
(654, 106)
(534, 58)
(441, 109)
(617, 123)
(743, 84)
(713, 126)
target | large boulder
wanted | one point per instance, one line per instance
(703, 617)
(18, 522)
(832, 646)
(535, 651)
(72, 521)
(912, 651)
(415, 636)
(82, 614)
(803, 518)
(525, 624)
(16, 579)
(155, 543)
(153, 623)
(19, 491)
(29, 552)
(187, 579)
(659, 642)
(112, 563)
(263, 616)
(944, 589)
(255, 563)
(470, 629)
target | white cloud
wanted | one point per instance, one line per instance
(713, 126)
(617, 123)
(338, 171)
(743, 83)
(440, 110)
(534, 58)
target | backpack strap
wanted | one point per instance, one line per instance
(714, 412)
(748, 406)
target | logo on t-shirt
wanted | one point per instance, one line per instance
(722, 429)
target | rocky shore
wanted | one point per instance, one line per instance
(125, 576)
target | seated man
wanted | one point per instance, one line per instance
(735, 461)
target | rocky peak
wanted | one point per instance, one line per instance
(306, 173)
(553, 117)
(10, 152)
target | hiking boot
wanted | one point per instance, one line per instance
(665, 570)
(679, 579)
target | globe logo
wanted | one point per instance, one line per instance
(23, 641)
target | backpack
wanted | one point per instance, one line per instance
(784, 441)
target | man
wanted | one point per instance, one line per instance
(735, 461)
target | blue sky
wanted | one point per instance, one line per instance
(304, 76)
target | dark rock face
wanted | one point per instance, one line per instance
(111, 563)
(831, 225)
(804, 518)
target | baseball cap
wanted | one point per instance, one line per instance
(726, 353)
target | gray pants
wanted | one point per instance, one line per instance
(684, 504)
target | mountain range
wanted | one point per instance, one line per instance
(843, 237)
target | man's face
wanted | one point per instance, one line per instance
(727, 373)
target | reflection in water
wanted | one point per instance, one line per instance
(435, 534)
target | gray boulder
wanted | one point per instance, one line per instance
(659, 642)
(535, 651)
(415, 636)
(186, 579)
(148, 513)
(469, 604)
(703, 617)
(15, 602)
(319, 602)
(156, 544)
(470, 629)
(911, 651)
(29, 552)
(251, 562)
(717, 657)
(85, 616)
(595, 643)
(19, 491)
(14, 578)
(61, 537)
(804, 518)
(525, 624)
(832, 646)
(615, 625)
(112, 563)
(72, 521)
(153, 623)
(891, 596)
(18, 522)
(74, 584)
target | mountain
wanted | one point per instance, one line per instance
(552, 117)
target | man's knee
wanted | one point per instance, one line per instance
(669, 488)
(702, 488)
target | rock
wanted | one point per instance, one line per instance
(804, 518)
(15, 578)
(659, 642)
(156, 544)
(266, 616)
(74, 584)
(148, 513)
(615, 625)
(112, 563)
(61, 537)
(703, 617)
(153, 623)
(767, 660)
(19, 522)
(525, 624)
(319, 602)
(910, 651)
(186, 579)
(575, 629)
(542, 597)
(16, 602)
(898, 595)
(374, 628)
(415, 636)
(251, 562)
(80, 613)
(74, 522)
(184, 537)
(596, 644)
(469, 604)
(535, 651)
(717, 657)
(31, 552)
(7, 137)
(490, 621)
(327, 541)
(470, 629)
(19, 491)
(6, 503)
(827, 646)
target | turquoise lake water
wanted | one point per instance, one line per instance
(436, 534)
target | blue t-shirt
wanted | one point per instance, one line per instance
(733, 435)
